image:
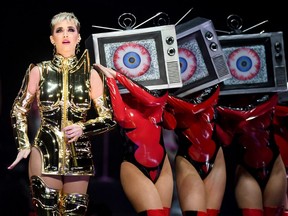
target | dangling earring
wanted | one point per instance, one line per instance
(77, 48)
(54, 49)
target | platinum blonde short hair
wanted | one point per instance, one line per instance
(64, 16)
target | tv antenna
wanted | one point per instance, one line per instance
(128, 21)
(153, 17)
(107, 28)
(234, 22)
(184, 16)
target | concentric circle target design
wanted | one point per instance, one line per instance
(244, 63)
(188, 63)
(132, 59)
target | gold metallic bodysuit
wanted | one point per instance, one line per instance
(63, 99)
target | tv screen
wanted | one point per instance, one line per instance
(256, 62)
(148, 55)
(202, 61)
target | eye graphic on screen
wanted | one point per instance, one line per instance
(188, 63)
(244, 63)
(132, 59)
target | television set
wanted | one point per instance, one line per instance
(202, 61)
(147, 55)
(256, 62)
(283, 98)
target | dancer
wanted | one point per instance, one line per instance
(247, 124)
(60, 159)
(145, 173)
(281, 137)
(199, 163)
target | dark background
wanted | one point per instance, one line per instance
(24, 39)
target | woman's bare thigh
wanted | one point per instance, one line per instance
(140, 190)
(35, 168)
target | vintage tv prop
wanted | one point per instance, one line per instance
(202, 61)
(147, 55)
(283, 98)
(256, 62)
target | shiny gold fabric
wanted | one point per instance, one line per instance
(45, 199)
(48, 201)
(63, 98)
(74, 204)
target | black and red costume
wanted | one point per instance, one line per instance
(139, 115)
(247, 123)
(281, 137)
(193, 120)
(281, 131)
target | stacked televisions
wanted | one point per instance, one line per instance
(147, 55)
(190, 57)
